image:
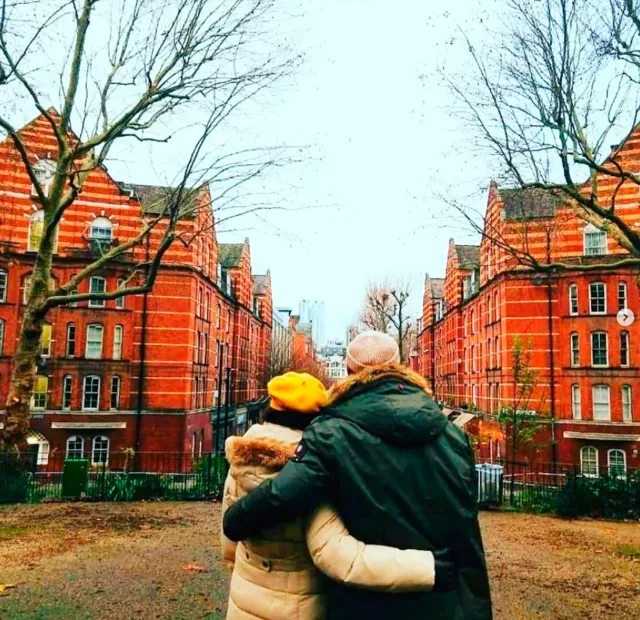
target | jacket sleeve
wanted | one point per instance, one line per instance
(303, 484)
(229, 496)
(375, 567)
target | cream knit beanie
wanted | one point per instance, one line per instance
(371, 349)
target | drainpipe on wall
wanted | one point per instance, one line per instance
(554, 446)
(143, 365)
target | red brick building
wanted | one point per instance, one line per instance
(146, 373)
(588, 365)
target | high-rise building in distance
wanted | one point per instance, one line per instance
(312, 312)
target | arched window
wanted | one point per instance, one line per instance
(617, 460)
(576, 402)
(589, 461)
(101, 229)
(626, 403)
(573, 300)
(100, 450)
(4, 278)
(575, 349)
(75, 447)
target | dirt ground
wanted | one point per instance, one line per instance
(162, 560)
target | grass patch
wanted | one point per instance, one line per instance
(8, 532)
(628, 551)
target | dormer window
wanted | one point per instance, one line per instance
(44, 171)
(101, 229)
(595, 241)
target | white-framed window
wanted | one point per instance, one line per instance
(575, 349)
(97, 284)
(120, 300)
(199, 302)
(598, 298)
(573, 300)
(194, 439)
(617, 461)
(624, 349)
(115, 393)
(589, 461)
(207, 306)
(26, 289)
(71, 340)
(101, 229)
(45, 340)
(42, 458)
(40, 393)
(100, 450)
(93, 348)
(196, 356)
(622, 296)
(474, 395)
(599, 349)
(576, 402)
(4, 279)
(91, 393)
(490, 353)
(75, 447)
(67, 392)
(1, 336)
(601, 402)
(228, 319)
(219, 316)
(118, 330)
(36, 230)
(595, 241)
(626, 403)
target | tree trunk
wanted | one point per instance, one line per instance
(18, 404)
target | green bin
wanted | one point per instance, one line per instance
(74, 478)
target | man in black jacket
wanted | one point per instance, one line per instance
(399, 474)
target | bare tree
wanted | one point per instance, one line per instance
(552, 100)
(385, 309)
(127, 70)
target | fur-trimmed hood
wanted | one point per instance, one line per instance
(373, 375)
(268, 446)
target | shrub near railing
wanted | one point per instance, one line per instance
(606, 496)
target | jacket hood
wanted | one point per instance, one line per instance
(268, 446)
(391, 402)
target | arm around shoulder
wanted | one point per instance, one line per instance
(343, 558)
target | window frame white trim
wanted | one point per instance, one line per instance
(597, 462)
(116, 348)
(69, 440)
(590, 229)
(623, 285)
(591, 310)
(573, 288)
(71, 325)
(97, 303)
(626, 388)
(574, 336)
(576, 404)
(593, 402)
(624, 334)
(119, 393)
(606, 341)
(46, 327)
(65, 407)
(5, 286)
(86, 344)
(624, 460)
(93, 450)
(32, 404)
(108, 226)
(84, 392)
(120, 301)
(2, 326)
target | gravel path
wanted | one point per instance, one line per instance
(162, 560)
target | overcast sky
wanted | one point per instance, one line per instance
(382, 139)
(388, 143)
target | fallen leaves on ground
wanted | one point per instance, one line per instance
(195, 568)
(5, 587)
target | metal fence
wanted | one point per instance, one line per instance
(566, 490)
(118, 477)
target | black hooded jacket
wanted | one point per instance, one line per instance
(400, 475)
